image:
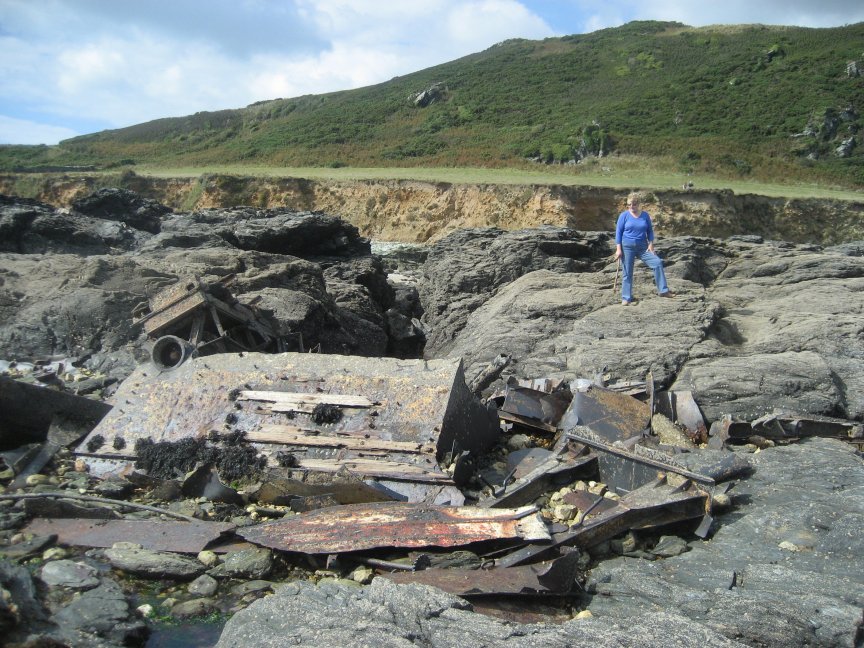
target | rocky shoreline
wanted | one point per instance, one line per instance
(761, 328)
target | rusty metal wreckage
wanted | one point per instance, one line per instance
(397, 465)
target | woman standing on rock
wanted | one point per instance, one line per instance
(634, 237)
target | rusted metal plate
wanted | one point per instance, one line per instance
(552, 577)
(614, 416)
(653, 502)
(26, 411)
(418, 402)
(547, 408)
(680, 407)
(182, 537)
(560, 468)
(395, 524)
(623, 470)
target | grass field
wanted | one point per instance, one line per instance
(555, 175)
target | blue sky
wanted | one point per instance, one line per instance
(69, 67)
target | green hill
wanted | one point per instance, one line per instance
(769, 102)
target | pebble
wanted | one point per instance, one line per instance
(81, 466)
(565, 512)
(193, 608)
(584, 614)
(251, 587)
(54, 553)
(145, 610)
(204, 585)
(208, 558)
(362, 575)
(36, 480)
(788, 546)
(518, 442)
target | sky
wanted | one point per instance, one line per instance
(71, 67)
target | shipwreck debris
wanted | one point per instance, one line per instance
(399, 418)
(193, 318)
(395, 524)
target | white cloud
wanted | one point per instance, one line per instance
(107, 64)
(22, 131)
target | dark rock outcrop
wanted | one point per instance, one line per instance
(69, 281)
(758, 325)
(124, 206)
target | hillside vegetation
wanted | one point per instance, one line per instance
(768, 103)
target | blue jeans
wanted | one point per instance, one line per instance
(631, 251)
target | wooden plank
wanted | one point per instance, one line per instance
(302, 398)
(377, 468)
(292, 435)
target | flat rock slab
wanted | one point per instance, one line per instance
(247, 563)
(154, 564)
(388, 615)
(68, 573)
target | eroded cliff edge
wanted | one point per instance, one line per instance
(420, 212)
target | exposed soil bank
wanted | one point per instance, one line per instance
(414, 211)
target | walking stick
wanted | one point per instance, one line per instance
(617, 268)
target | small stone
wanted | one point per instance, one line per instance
(518, 442)
(247, 563)
(70, 574)
(126, 545)
(193, 608)
(596, 488)
(565, 512)
(668, 546)
(584, 614)
(54, 553)
(251, 587)
(721, 502)
(204, 585)
(208, 558)
(362, 575)
(625, 544)
(788, 546)
(81, 466)
(579, 486)
(145, 610)
(168, 602)
(36, 480)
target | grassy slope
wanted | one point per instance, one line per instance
(722, 102)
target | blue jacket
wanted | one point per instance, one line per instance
(633, 230)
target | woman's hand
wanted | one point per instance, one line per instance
(651, 248)
(618, 252)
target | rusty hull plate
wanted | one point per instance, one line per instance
(182, 537)
(614, 416)
(422, 402)
(537, 405)
(552, 577)
(395, 524)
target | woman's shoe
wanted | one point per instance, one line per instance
(624, 302)
(668, 293)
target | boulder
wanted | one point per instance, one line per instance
(124, 206)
